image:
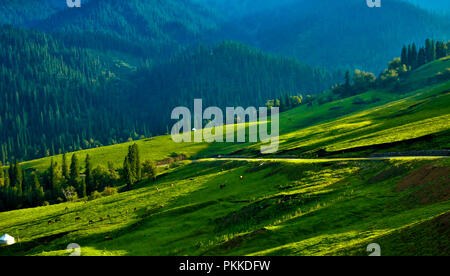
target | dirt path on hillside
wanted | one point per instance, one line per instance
(318, 160)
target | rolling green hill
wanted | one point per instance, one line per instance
(252, 206)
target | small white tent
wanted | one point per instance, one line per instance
(7, 240)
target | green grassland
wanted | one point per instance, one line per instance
(278, 208)
(328, 206)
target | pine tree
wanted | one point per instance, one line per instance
(7, 181)
(65, 168)
(441, 50)
(409, 54)
(127, 173)
(11, 174)
(83, 192)
(422, 59)
(287, 102)
(28, 192)
(89, 181)
(53, 179)
(38, 191)
(138, 163)
(2, 175)
(404, 57)
(18, 177)
(347, 80)
(132, 161)
(430, 50)
(414, 56)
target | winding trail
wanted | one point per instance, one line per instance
(320, 160)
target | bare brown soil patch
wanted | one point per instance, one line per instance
(431, 184)
(171, 160)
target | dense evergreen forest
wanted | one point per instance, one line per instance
(229, 74)
(319, 33)
(25, 12)
(70, 180)
(57, 98)
(155, 28)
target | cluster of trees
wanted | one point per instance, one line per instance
(361, 81)
(70, 181)
(413, 57)
(285, 102)
(410, 59)
(134, 171)
(17, 189)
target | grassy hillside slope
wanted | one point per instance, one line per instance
(279, 208)
(307, 129)
(284, 207)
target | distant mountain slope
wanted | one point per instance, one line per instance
(158, 26)
(328, 33)
(23, 12)
(338, 33)
(439, 6)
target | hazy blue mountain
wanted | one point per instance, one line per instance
(329, 33)
(19, 12)
(159, 26)
(338, 33)
(438, 6)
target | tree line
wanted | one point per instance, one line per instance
(73, 180)
(411, 58)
